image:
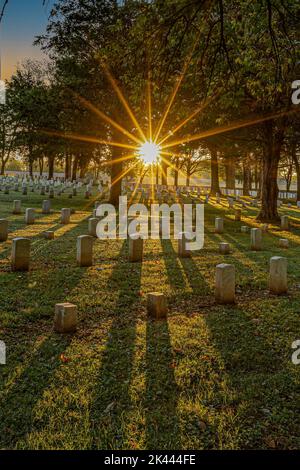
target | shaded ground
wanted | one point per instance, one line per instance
(212, 377)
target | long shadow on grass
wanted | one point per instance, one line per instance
(17, 405)
(162, 421)
(176, 266)
(112, 401)
(174, 272)
(253, 363)
(36, 239)
(52, 276)
(255, 257)
(19, 399)
(255, 369)
(162, 394)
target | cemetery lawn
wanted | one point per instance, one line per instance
(211, 377)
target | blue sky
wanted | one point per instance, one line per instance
(22, 21)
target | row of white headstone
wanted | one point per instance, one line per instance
(66, 319)
(51, 190)
(225, 274)
(66, 316)
(219, 224)
(44, 186)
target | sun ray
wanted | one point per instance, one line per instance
(169, 105)
(134, 191)
(171, 154)
(230, 127)
(135, 188)
(152, 184)
(84, 138)
(106, 118)
(176, 89)
(119, 160)
(201, 108)
(165, 174)
(174, 167)
(149, 106)
(123, 173)
(122, 99)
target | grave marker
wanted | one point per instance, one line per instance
(3, 230)
(65, 319)
(219, 225)
(17, 207)
(224, 248)
(225, 284)
(46, 206)
(85, 250)
(183, 252)
(20, 255)
(256, 239)
(92, 228)
(157, 305)
(30, 216)
(285, 224)
(65, 216)
(136, 249)
(278, 275)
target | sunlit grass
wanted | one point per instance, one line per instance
(212, 377)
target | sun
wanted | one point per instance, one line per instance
(149, 152)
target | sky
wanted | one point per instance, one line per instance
(23, 20)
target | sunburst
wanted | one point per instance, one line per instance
(150, 147)
(149, 152)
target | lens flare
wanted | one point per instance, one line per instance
(149, 152)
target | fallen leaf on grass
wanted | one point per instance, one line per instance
(271, 444)
(64, 359)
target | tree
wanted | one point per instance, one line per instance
(35, 105)
(2, 10)
(80, 37)
(8, 134)
(191, 161)
(255, 45)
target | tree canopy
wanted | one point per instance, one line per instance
(213, 76)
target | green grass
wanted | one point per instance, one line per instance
(211, 377)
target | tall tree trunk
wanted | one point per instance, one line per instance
(157, 175)
(116, 174)
(84, 163)
(256, 176)
(50, 167)
(67, 166)
(164, 173)
(74, 168)
(188, 173)
(116, 182)
(289, 177)
(246, 177)
(297, 167)
(214, 185)
(2, 171)
(41, 165)
(271, 155)
(176, 172)
(82, 172)
(30, 166)
(230, 172)
(260, 180)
